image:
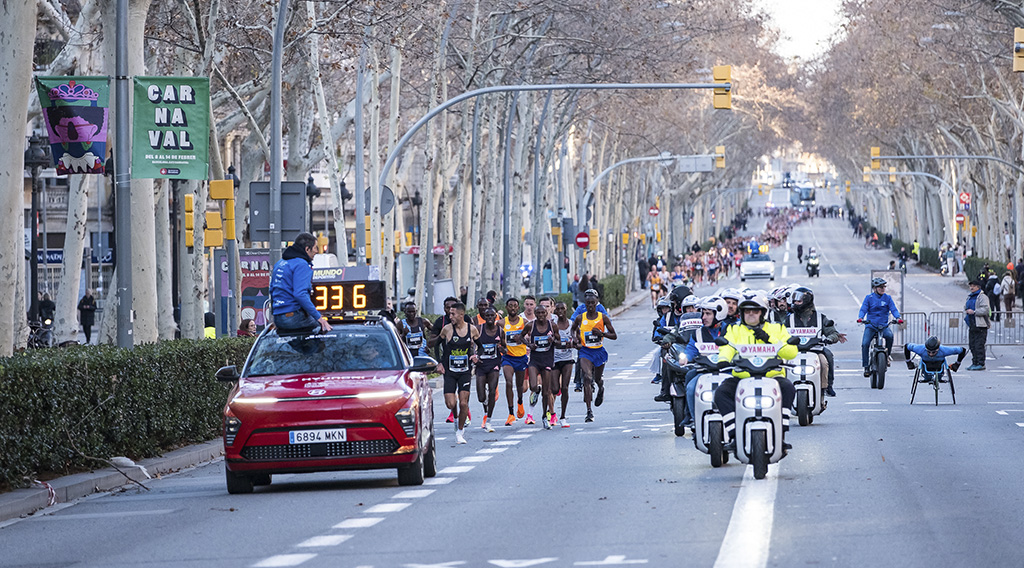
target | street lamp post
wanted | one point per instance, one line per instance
(36, 157)
(312, 192)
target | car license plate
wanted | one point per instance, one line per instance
(317, 436)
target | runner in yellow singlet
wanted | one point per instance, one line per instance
(589, 329)
(515, 359)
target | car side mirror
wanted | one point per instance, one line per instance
(423, 364)
(228, 374)
(721, 341)
(793, 341)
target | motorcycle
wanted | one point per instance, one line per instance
(878, 356)
(708, 428)
(812, 267)
(674, 371)
(758, 405)
(40, 334)
(805, 375)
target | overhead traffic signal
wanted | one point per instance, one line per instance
(875, 153)
(867, 174)
(847, 186)
(720, 157)
(189, 218)
(892, 174)
(723, 96)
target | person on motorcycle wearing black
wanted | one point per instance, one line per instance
(781, 311)
(754, 329)
(681, 322)
(713, 312)
(804, 314)
(664, 307)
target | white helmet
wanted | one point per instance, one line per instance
(754, 301)
(664, 303)
(731, 294)
(716, 305)
(690, 300)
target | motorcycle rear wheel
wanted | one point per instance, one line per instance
(678, 410)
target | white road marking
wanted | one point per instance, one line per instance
(284, 560)
(491, 450)
(457, 469)
(922, 294)
(360, 523)
(1021, 424)
(997, 402)
(442, 565)
(852, 295)
(521, 563)
(640, 420)
(475, 459)
(749, 534)
(324, 540)
(870, 402)
(649, 412)
(414, 494)
(387, 508)
(438, 480)
(942, 410)
(868, 410)
(610, 561)
(518, 436)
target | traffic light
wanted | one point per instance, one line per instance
(892, 174)
(875, 153)
(222, 189)
(720, 156)
(723, 96)
(847, 186)
(213, 235)
(867, 174)
(189, 218)
(1018, 49)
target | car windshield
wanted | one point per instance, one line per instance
(345, 348)
(757, 258)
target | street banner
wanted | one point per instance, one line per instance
(171, 128)
(75, 112)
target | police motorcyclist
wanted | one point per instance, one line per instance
(874, 311)
(933, 351)
(732, 298)
(804, 314)
(684, 307)
(713, 312)
(754, 329)
(664, 307)
(781, 311)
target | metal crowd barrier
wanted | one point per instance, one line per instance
(1007, 328)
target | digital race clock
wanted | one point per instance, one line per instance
(347, 296)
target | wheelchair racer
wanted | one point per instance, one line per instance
(933, 352)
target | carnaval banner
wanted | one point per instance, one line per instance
(75, 111)
(171, 128)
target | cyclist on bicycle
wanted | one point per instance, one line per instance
(903, 259)
(932, 351)
(875, 312)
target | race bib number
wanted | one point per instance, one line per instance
(458, 363)
(512, 337)
(489, 351)
(414, 340)
(590, 339)
(542, 343)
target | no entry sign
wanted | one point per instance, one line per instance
(653, 211)
(582, 240)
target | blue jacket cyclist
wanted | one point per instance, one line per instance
(291, 284)
(874, 311)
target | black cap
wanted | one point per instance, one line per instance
(976, 282)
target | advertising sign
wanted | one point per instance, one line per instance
(75, 112)
(171, 128)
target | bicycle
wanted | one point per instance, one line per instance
(878, 355)
(933, 372)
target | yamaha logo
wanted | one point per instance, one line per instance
(316, 392)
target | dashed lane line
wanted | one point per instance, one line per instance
(324, 540)
(749, 534)
(284, 560)
(358, 523)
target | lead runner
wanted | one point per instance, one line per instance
(588, 329)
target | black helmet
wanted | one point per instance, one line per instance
(678, 294)
(932, 344)
(802, 299)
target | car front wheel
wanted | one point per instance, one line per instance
(237, 484)
(412, 474)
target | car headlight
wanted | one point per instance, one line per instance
(407, 419)
(707, 396)
(231, 427)
(754, 402)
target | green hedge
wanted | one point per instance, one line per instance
(106, 401)
(973, 266)
(930, 257)
(614, 293)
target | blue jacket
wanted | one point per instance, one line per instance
(877, 309)
(704, 333)
(291, 283)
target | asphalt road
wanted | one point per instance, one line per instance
(874, 481)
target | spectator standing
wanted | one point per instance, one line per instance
(644, 268)
(1009, 288)
(87, 314)
(976, 314)
(993, 291)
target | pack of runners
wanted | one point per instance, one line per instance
(536, 351)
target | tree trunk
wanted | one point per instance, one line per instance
(166, 326)
(19, 17)
(65, 325)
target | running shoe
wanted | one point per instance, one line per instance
(460, 438)
(547, 417)
(590, 416)
(488, 426)
(520, 411)
(600, 396)
(469, 417)
(534, 397)
(554, 419)
(578, 388)
(564, 423)
(483, 425)
(451, 417)
(529, 419)
(510, 420)
(546, 423)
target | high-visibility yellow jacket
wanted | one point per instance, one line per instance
(740, 334)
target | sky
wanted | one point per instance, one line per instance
(806, 25)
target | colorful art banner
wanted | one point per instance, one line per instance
(171, 128)
(75, 111)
